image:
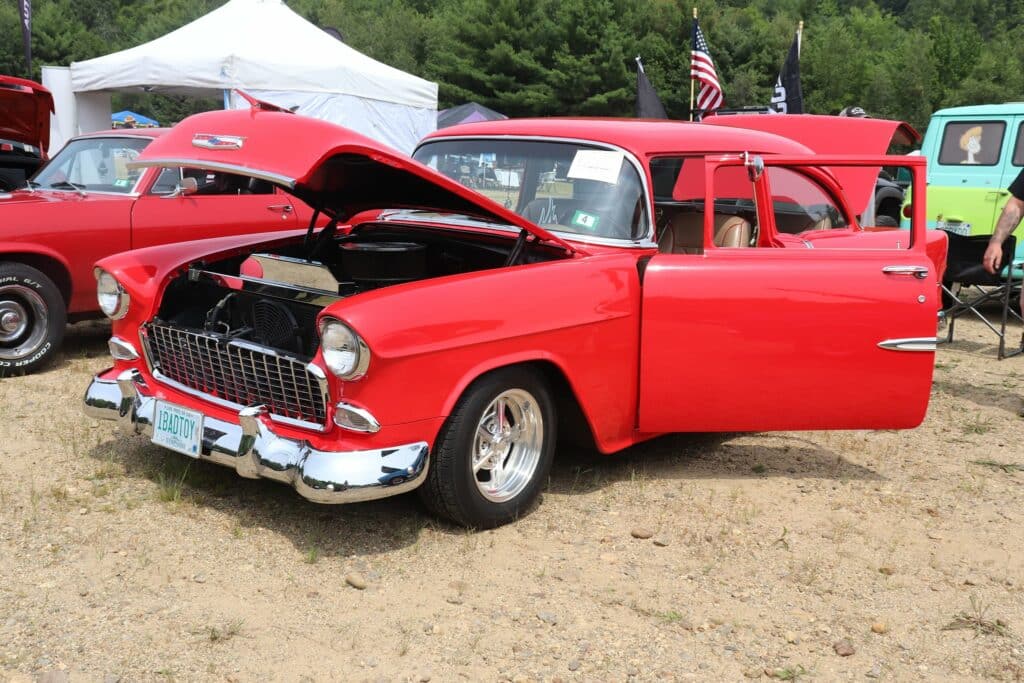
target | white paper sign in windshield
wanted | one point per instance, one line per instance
(594, 164)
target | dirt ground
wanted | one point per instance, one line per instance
(772, 555)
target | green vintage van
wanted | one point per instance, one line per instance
(974, 153)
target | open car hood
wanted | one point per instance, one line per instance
(329, 167)
(26, 108)
(833, 135)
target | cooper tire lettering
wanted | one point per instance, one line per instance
(32, 319)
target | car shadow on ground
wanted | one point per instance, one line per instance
(86, 339)
(374, 528)
(1009, 398)
(695, 457)
(363, 529)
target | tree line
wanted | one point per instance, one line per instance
(896, 58)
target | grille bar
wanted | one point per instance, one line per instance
(237, 372)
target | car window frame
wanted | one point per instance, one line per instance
(643, 241)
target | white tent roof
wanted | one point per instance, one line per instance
(257, 45)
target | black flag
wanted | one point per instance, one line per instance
(26, 31)
(788, 98)
(648, 104)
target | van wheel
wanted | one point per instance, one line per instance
(494, 452)
(32, 319)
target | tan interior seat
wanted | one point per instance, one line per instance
(823, 223)
(685, 233)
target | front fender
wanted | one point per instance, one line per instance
(144, 272)
(429, 340)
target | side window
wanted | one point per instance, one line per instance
(972, 143)
(679, 198)
(800, 204)
(1018, 150)
(735, 220)
(167, 181)
(678, 184)
(219, 183)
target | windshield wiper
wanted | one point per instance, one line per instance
(32, 185)
(68, 185)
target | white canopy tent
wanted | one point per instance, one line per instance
(266, 49)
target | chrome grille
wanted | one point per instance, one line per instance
(237, 372)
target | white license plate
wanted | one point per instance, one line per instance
(179, 429)
(953, 227)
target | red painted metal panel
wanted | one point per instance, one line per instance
(778, 339)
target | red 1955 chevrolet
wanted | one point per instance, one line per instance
(516, 281)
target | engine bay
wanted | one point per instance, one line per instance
(271, 297)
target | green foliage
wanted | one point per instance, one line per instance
(896, 58)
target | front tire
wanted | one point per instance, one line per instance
(494, 452)
(32, 319)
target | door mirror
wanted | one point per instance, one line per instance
(754, 166)
(185, 187)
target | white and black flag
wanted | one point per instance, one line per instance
(788, 97)
(648, 104)
(25, 7)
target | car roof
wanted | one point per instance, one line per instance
(125, 133)
(642, 137)
(1003, 109)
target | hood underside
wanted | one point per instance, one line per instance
(329, 167)
(26, 108)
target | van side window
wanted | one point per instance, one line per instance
(972, 143)
(1018, 150)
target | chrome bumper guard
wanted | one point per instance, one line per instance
(255, 451)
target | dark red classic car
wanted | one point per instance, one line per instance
(86, 203)
(603, 281)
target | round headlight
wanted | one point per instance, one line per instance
(345, 354)
(111, 296)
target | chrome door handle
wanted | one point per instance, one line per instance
(920, 272)
(283, 208)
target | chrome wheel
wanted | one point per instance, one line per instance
(507, 446)
(23, 321)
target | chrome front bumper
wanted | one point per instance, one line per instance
(254, 450)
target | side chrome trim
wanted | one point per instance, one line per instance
(926, 344)
(276, 178)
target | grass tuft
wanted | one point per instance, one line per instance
(976, 620)
(223, 633)
(789, 673)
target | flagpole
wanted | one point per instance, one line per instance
(799, 37)
(691, 75)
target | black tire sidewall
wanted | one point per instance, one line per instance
(454, 454)
(26, 276)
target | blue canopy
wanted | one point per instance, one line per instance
(129, 117)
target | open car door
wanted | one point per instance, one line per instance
(748, 334)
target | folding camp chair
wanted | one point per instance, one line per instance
(966, 285)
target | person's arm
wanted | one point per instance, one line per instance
(1008, 221)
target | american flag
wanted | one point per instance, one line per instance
(702, 69)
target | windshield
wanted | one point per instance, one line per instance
(564, 187)
(93, 164)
